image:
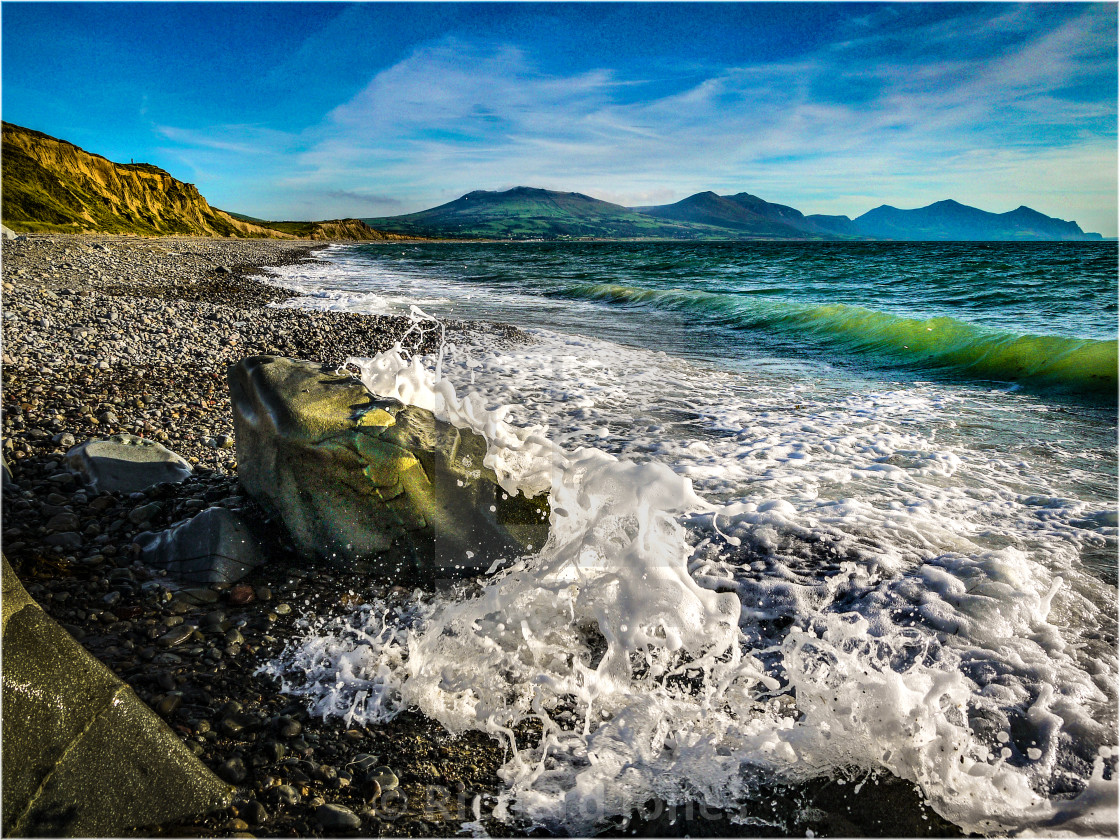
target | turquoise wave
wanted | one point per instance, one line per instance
(1051, 361)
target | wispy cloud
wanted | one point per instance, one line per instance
(994, 116)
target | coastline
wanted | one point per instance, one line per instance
(87, 332)
(92, 324)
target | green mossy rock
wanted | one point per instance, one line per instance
(370, 484)
(82, 755)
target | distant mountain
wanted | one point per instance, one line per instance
(52, 185)
(745, 214)
(530, 213)
(836, 226)
(951, 220)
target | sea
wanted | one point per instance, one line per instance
(819, 511)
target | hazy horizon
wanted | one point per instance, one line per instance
(313, 111)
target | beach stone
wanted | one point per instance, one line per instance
(285, 795)
(63, 522)
(82, 755)
(126, 464)
(233, 770)
(216, 546)
(65, 539)
(176, 636)
(337, 817)
(385, 777)
(352, 476)
(255, 813)
(241, 594)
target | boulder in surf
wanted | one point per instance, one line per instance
(370, 484)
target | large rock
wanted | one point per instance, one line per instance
(126, 464)
(369, 483)
(217, 546)
(82, 755)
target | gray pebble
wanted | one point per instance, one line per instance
(385, 777)
(233, 771)
(286, 795)
(176, 635)
(336, 816)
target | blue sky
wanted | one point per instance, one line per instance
(296, 111)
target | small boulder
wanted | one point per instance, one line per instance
(126, 464)
(368, 483)
(216, 546)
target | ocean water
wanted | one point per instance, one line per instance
(817, 510)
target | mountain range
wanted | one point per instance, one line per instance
(529, 213)
(52, 185)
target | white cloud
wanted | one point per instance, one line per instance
(457, 116)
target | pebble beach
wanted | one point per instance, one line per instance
(108, 335)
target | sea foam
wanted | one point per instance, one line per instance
(781, 626)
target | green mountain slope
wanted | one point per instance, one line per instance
(745, 214)
(528, 213)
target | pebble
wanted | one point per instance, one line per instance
(337, 817)
(385, 777)
(285, 795)
(283, 609)
(176, 636)
(233, 770)
(254, 813)
(144, 513)
(241, 594)
(370, 790)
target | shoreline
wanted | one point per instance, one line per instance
(136, 339)
(111, 334)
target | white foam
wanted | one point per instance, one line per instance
(938, 608)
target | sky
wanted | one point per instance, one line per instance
(324, 110)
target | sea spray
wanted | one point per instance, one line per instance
(820, 652)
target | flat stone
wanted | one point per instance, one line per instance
(126, 464)
(336, 816)
(176, 636)
(198, 595)
(82, 755)
(216, 546)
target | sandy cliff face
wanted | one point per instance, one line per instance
(350, 229)
(51, 185)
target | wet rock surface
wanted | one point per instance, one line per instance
(216, 546)
(369, 484)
